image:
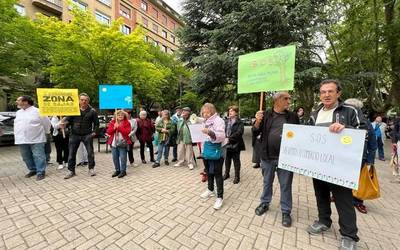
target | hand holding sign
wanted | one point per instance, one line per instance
(336, 127)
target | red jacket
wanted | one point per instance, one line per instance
(124, 128)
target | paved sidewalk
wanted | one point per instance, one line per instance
(161, 209)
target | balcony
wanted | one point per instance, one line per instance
(53, 6)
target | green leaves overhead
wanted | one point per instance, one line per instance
(217, 32)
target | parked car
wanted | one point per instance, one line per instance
(7, 128)
(246, 121)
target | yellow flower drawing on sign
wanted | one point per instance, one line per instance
(289, 134)
(346, 140)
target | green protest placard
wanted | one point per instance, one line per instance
(267, 70)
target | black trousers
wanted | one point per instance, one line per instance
(235, 156)
(256, 158)
(150, 146)
(130, 153)
(61, 148)
(74, 142)
(344, 206)
(217, 174)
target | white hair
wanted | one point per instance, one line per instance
(278, 95)
(143, 113)
(354, 102)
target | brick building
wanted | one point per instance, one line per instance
(157, 18)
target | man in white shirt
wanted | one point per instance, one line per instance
(30, 134)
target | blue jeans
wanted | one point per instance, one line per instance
(380, 148)
(174, 152)
(285, 180)
(34, 157)
(119, 158)
(162, 147)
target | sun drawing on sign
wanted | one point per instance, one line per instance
(289, 134)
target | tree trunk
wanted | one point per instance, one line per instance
(392, 41)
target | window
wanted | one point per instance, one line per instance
(145, 22)
(155, 28)
(143, 5)
(125, 11)
(155, 13)
(173, 38)
(173, 25)
(164, 20)
(164, 48)
(125, 29)
(80, 5)
(146, 39)
(101, 18)
(106, 2)
(155, 43)
(20, 9)
(164, 34)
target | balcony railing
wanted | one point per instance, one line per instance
(53, 6)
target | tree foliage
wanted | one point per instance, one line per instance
(364, 50)
(22, 51)
(217, 32)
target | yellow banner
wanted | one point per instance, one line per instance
(62, 102)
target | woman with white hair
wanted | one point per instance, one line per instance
(214, 128)
(144, 133)
(369, 148)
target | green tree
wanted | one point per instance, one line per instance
(364, 50)
(85, 53)
(217, 32)
(22, 51)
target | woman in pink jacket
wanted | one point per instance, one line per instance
(214, 128)
(118, 132)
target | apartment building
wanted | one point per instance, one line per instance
(158, 19)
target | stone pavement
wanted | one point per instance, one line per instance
(161, 209)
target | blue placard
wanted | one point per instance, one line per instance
(115, 97)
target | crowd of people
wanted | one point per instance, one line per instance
(223, 145)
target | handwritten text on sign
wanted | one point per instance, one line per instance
(318, 153)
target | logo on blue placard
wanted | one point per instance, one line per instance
(115, 96)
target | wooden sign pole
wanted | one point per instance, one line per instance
(262, 94)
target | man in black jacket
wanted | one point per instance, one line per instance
(337, 116)
(83, 128)
(270, 125)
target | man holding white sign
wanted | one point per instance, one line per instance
(270, 126)
(337, 116)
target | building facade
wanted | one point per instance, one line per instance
(158, 19)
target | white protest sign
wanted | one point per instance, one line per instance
(197, 135)
(315, 152)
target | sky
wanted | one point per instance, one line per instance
(175, 4)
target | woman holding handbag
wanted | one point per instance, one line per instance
(118, 132)
(214, 128)
(234, 129)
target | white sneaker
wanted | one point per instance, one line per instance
(207, 194)
(177, 165)
(191, 167)
(134, 165)
(218, 203)
(61, 166)
(92, 172)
